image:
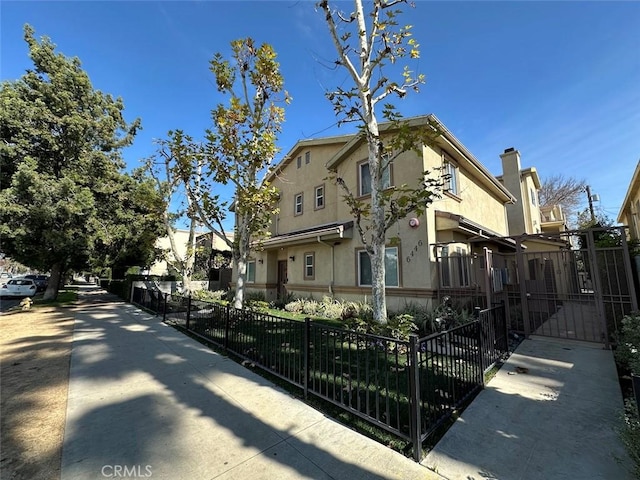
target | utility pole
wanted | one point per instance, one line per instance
(593, 215)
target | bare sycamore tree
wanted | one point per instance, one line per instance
(366, 42)
(568, 192)
(177, 168)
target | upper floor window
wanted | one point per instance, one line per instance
(319, 197)
(391, 264)
(364, 178)
(299, 162)
(251, 271)
(309, 266)
(307, 157)
(451, 177)
(534, 197)
(297, 209)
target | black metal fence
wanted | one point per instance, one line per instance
(408, 388)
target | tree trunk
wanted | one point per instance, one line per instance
(189, 259)
(51, 293)
(377, 241)
(244, 243)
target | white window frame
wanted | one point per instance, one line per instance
(319, 199)
(298, 204)
(452, 177)
(363, 254)
(309, 265)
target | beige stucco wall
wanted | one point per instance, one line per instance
(181, 237)
(336, 266)
(304, 180)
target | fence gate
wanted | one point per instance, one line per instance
(577, 285)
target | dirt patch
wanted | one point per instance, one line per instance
(35, 350)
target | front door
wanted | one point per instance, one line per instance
(282, 278)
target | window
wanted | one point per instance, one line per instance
(309, 266)
(464, 267)
(364, 177)
(251, 271)
(445, 270)
(450, 177)
(297, 210)
(532, 192)
(320, 197)
(307, 158)
(299, 162)
(392, 276)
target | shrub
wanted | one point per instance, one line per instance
(628, 350)
(207, 296)
(281, 303)
(330, 308)
(628, 357)
(630, 434)
(295, 306)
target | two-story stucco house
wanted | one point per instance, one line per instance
(314, 249)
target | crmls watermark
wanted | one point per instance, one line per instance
(126, 471)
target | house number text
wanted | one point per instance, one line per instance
(414, 250)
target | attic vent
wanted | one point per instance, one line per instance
(510, 149)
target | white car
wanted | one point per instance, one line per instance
(19, 287)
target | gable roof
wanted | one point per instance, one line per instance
(301, 145)
(445, 140)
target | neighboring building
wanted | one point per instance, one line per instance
(630, 211)
(525, 215)
(219, 274)
(314, 250)
(553, 220)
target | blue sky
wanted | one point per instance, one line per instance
(559, 81)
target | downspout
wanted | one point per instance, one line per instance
(332, 262)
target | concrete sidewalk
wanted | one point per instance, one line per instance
(554, 420)
(146, 401)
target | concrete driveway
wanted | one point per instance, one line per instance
(550, 413)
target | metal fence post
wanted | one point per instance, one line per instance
(506, 326)
(188, 311)
(522, 280)
(306, 351)
(481, 349)
(226, 327)
(635, 381)
(414, 398)
(164, 308)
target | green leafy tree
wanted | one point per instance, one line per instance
(60, 147)
(239, 151)
(366, 43)
(134, 208)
